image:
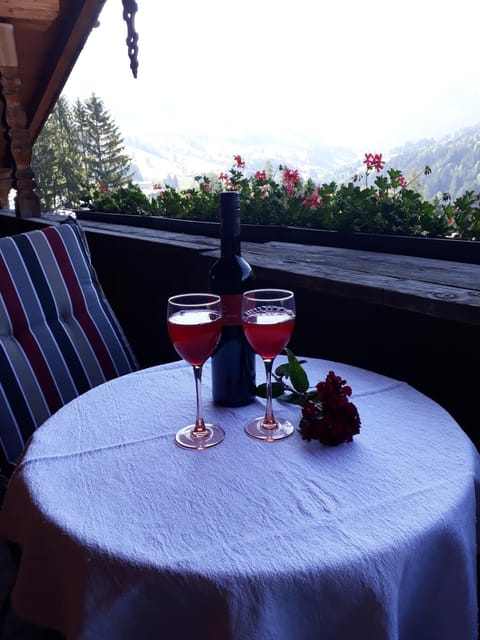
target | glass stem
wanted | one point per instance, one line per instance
(199, 421)
(269, 421)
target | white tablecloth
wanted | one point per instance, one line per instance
(124, 535)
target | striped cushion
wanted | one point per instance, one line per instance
(58, 334)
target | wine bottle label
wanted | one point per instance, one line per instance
(232, 310)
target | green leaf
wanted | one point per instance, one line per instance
(277, 390)
(297, 373)
(283, 371)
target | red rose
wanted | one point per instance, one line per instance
(334, 419)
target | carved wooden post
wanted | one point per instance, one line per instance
(7, 58)
(6, 172)
(27, 202)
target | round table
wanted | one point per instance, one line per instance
(125, 535)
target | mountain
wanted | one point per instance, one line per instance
(184, 157)
(175, 159)
(454, 161)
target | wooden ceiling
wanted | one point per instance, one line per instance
(48, 37)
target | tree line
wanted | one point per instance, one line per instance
(79, 150)
(453, 159)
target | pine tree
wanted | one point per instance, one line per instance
(69, 159)
(78, 149)
(103, 148)
(44, 166)
(80, 116)
(55, 158)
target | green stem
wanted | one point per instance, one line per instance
(286, 387)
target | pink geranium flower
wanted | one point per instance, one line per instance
(260, 175)
(374, 161)
(240, 162)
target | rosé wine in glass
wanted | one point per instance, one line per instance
(269, 333)
(268, 319)
(195, 334)
(194, 323)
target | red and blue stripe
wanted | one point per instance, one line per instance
(59, 336)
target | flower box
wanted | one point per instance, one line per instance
(438, 248)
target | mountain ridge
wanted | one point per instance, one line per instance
(175, 159)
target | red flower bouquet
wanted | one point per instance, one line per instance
(327, 413)
(333, 418)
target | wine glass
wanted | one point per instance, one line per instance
(194, 326)
(268, 318)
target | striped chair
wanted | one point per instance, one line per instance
(58, 334)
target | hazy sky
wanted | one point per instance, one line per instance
(360, 74)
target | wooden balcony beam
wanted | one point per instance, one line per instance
(442, 289)
(31, 10)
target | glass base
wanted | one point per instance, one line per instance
(256, 429)
(188, 439)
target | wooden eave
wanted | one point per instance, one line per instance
(30, 10)
(49, 37)
(40, 41)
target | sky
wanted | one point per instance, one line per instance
(341, 72)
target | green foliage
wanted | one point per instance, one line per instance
(390, 205)
(56, 157)
(127, 200)
(196, 203)
(290, 382)
(78, 149)
(102, 146)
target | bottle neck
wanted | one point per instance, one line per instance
(230, 234)
(230, 246)
(230, 223)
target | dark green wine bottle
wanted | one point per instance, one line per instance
(233, 362)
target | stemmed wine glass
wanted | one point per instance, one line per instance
(194, 326)
(268, 318)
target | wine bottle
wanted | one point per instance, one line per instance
(233, 362)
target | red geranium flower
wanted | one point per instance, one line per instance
(290, 176)
(333, 419)
(239, 161)
(260, 175)
(374, 161)
(314, 200)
